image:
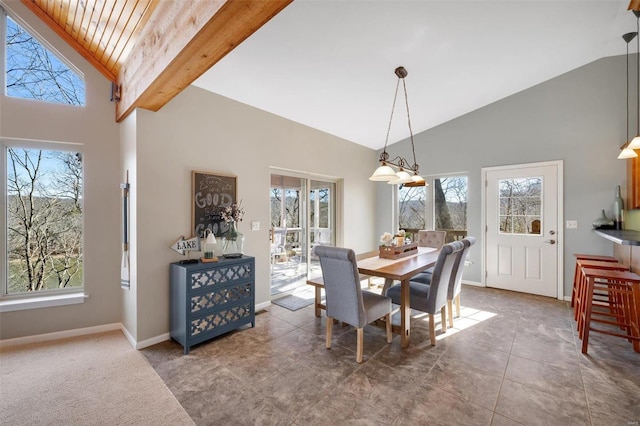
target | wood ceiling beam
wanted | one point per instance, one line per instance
(180, 42)
(634, 5)
(70, 40)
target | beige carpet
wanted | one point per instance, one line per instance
(91, 380)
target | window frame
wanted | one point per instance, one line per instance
(42, 298)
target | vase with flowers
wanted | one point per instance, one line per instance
(232, 240)
(386, 239)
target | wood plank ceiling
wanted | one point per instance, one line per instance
(102, 31)
(153, 49)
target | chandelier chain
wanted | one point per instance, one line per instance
(393, 107)
(413, 148)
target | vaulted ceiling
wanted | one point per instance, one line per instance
(329, 64)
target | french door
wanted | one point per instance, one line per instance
(523, 245)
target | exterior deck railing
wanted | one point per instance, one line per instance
(452, 234)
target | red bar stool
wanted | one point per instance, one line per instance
(580, 280)
(619, 311)
(576, 275)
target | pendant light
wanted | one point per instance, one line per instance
(635, 143)
(405, 173)
(627, 152)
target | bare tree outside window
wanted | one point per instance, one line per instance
(44, 220)
(412, 207)
(33, 72)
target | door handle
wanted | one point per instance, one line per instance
(550, 241)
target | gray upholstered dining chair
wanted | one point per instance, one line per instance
(456, 279)
(433, 239)
(432, 298)
(345, 300)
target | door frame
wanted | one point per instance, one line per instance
(560, 229)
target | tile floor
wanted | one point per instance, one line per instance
(511, 359)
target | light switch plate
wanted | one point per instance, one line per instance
(255, 226)
(572, 224)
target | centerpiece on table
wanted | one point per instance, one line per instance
(233, 240)
(389, 250)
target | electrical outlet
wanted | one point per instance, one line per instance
(255, 226)
(572, 224)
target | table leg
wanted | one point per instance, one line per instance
(405, 314)
(317, 301)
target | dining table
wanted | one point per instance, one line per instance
(402, 269)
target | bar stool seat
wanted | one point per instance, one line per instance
(584, 256)
(619, 310)
(579, 279)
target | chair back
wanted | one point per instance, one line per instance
(442, 275)
(433, 239)
(342, 285)
(458, 268)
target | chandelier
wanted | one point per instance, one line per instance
(398, 170)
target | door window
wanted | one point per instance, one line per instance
(520, 201)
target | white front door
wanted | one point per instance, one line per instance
(522, 223)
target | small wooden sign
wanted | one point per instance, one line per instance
(181, 245)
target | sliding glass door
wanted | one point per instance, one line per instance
(302, 217)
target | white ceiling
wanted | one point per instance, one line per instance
(330, 64)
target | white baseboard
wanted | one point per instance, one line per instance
(263, 305)
(60, 334)
(152, 341)
(473, 283)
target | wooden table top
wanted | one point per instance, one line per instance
(399, 269)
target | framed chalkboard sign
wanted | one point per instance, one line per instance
(211, 193)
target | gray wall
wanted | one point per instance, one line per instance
(578, 117)
(199, 130)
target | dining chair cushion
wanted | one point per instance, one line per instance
(423, 277)
(375, 306)
(417, 294)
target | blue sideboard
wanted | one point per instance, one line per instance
(210, 299)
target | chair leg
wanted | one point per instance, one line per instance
(329, 329)
(389, 334)
(450, 312)
(432, 329)
(458, 306)
(360, 345)
(443, 319)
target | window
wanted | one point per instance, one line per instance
(44, 220)
(35, 72)
(450, 206)
(520, 205)
(412, 208)
(442, 206)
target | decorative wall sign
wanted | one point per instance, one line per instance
(211, 193)
(181, 245)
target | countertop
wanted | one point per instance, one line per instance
(627, 237)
